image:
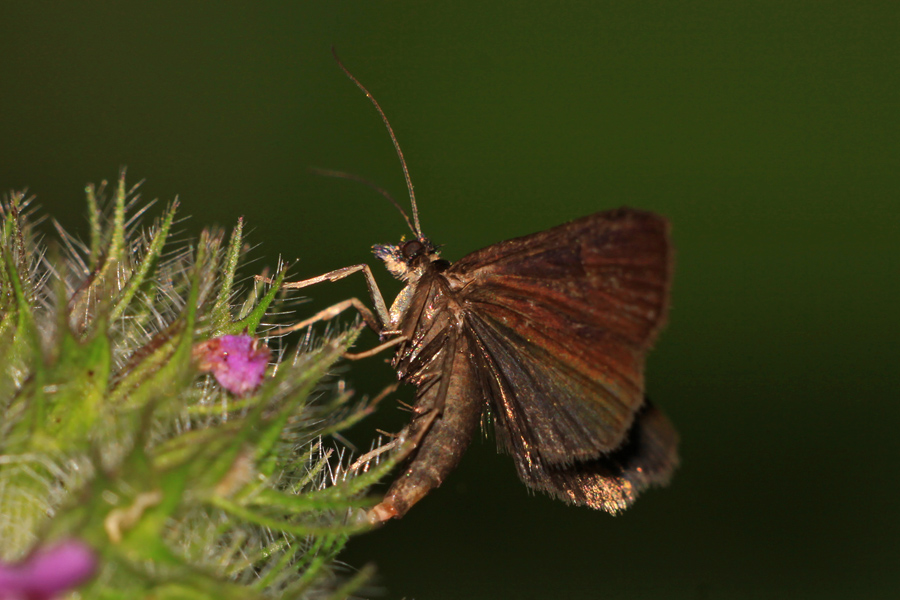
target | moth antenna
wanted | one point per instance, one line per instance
(412, 196)
(364, 181)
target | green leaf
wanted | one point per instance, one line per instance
(137, 278)
(252, 320)
(221, 315)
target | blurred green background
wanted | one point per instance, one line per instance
(766, 131)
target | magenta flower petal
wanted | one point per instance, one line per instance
(238, 362)
(48, 572)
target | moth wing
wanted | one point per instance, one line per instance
(609, 481)
(562, 320)
(613, 482)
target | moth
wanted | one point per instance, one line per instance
(544, 336)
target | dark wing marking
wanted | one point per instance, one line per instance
(612, 483)
(563, 319)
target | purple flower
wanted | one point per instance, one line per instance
(48, 572)
(238, 362)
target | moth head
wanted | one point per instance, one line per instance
(407, 257)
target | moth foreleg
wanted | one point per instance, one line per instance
(374, 292)
(373, 351)
(330, 313)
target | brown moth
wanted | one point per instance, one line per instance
(544, 335)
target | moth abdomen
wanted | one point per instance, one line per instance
(447, 415)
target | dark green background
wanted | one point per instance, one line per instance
(766, 131)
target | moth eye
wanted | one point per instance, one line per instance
(412, 248)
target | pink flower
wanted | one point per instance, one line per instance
(48, 572)
(238, 362)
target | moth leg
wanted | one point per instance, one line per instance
(375, 350)
(330, 313)
(363, 461)
(374, 292)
